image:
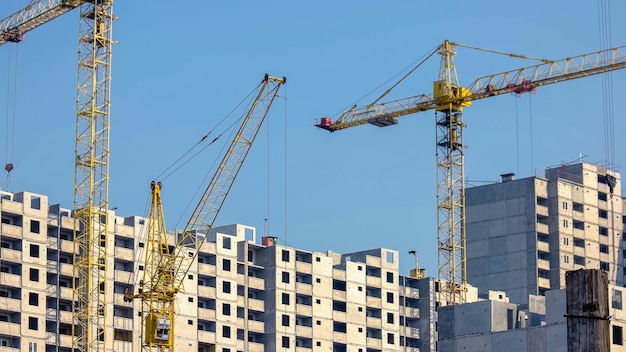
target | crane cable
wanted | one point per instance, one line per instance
(10, 115)
(604, 19)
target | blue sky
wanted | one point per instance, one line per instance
(178, 69)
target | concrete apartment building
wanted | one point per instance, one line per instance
(524, 234)
(240, 295)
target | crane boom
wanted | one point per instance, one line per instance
(36, 13)
(91, 172)
(448, 100)
(515, 81)
(166, 269)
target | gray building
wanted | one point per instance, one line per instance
(523, 235)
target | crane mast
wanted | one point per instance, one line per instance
(91, 172)
(448, 100)
(167, 268)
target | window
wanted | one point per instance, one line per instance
(565, 205)
(34, 226)
(579, 242)
(285, 255)
(226, 242)
(360, 309)
(360, 268)
(141, 267)
(318, 259)
(603, 214)
(389, 257)
(285, 320)
(390, 318)
(34, 274)
(618, 335)
(579, 260)
(390, 277)
(565, 223)
(604, 248)
(226, 331)
(32, 346)
(226, 309)
(318, 280)
(189, 322)
(318, 343)
(602, 196)
(190, 299)
(603, 231)
(32, 323)
(318, 301)
(566, 259)
(226, 287)
(285, 341)
(285, 298)
(604, 266)
(190, 276)
(389, 297)
(616, 299)
(319, 322)
(34, 250)
(226, 264)
(141, 244)
(33, 299)
(285, 277)
(565, 241)
(390, 339)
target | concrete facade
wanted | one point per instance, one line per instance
(488, 326)
(523, 235)
(239, 295)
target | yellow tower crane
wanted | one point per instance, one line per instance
(166, 269)
(91, 176)
(448, 100)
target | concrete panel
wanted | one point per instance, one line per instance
(511, 341)
(537, 339)
(478, 343)
(473, 318)
(556, 338)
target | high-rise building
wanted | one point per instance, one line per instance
(239, 295)
(524, 234)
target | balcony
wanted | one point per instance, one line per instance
(411, 292)
(124, 230)
(10, 280)
(12, 207)
(206, 291)
(11, 231)
(67, 246)
(252, 303)
(67, 269)
(339, 295)
(304, 331)
(542, 210)
(543, 264)
(256, 326)
(339, 316)
(303, 267)
(542, 228)
(11, 255)
(411, 312)
(206, 314)
(373, 301)
(340, 337)
(206, 269)
(124, 253)
(121, 322)
(9, 327)
(304, 310)
(305, 289)
(251, 346)
(123, 276)
(374, 343)
(10, 304)
(206, 336)
(253, 282)
(543, 246)
(373, 281)
(411, 332)
(373, 322)
(543, 282)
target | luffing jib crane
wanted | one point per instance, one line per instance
(166, 269)
(91, 177)
(448, 100)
